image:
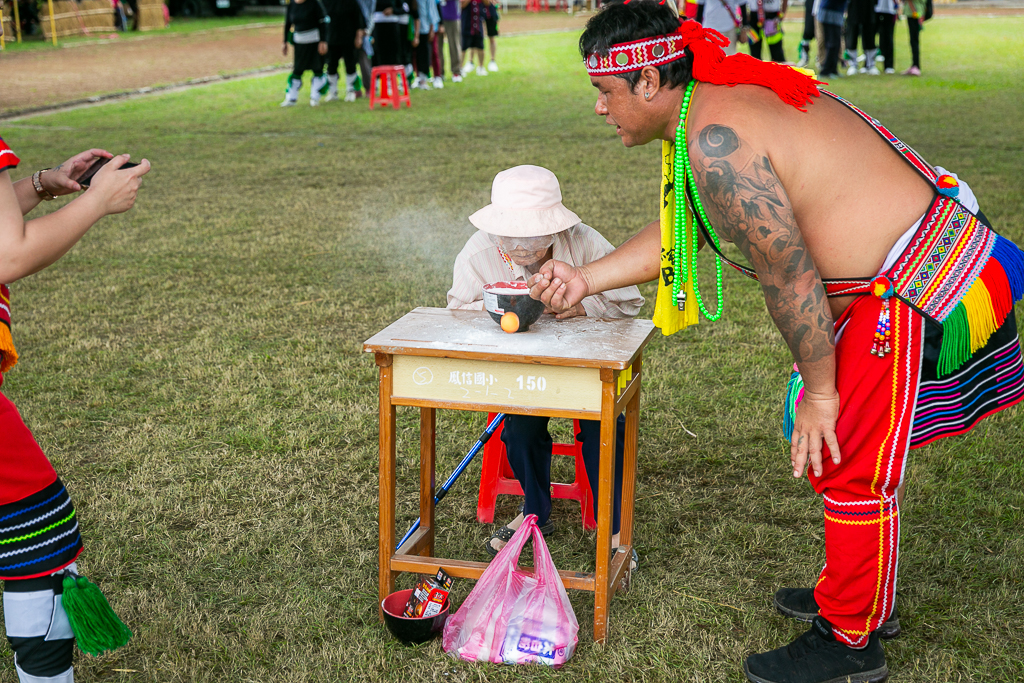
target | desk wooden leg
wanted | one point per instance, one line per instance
(605, 493)
(428, 432)
(387, 477)
(629, 459)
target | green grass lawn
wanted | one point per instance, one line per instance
(194, 370)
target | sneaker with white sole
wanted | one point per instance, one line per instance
(314, 103)
(493, 66)
(481, 71)
(852, 71)
(438, 83)
(457, 78)
(288, 103)
(350, 96)
(890, 71)
(873, 71)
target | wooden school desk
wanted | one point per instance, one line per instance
(583, 368)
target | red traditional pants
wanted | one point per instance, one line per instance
(877, 395)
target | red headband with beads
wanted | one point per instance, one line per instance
(710, 63)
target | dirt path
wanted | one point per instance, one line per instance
(46, 77)
(41, 78)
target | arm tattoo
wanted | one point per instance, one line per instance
(748, 205)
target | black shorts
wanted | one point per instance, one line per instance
(308, 58)
(492, 21)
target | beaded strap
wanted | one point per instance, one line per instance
(682, 250)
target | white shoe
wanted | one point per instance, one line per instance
(481, 71)
(879, 58)
(457, 78)
(861, 57)
(493, 66)
(314, 103)
(852, 71)
(350, 96)
(468, 71)
(873, 71)
(331, 96)
(438, 83)
(288, 103)
(890, 71)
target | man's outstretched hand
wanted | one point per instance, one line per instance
(560, 286)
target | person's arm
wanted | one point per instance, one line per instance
(561, 286)
(27, 247)
(587, 246)
(748, 205)
(288, 22)
(325, 28)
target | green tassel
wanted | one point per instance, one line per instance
(956, 341)
(97, 629)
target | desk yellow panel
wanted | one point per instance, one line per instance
(496, 383)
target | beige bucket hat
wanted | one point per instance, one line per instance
(526, 201)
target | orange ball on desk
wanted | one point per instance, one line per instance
(510, 322)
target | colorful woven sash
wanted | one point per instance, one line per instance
(956, 271)
(8, 356)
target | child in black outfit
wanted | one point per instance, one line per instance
(348, 27)
(312, 34)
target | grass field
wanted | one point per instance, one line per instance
(194, 370)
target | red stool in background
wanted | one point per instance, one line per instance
(496, 477)
(388, 79)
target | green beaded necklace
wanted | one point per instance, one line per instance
(683, 175)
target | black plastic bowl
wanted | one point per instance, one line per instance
(512, 297)
(411, 631)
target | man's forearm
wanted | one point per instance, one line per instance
(637, 260)
(746, 201)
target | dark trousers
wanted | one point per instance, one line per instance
(423, 56)
(914, 25)
(307, 58)
(860, 21)
(346, 51)
(528, 444)
(808, 22)
(833, 44)
(775, 49)
(386, 44)
(886, 29)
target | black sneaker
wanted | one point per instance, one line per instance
(799, 604)
(817, 657)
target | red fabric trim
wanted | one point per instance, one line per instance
(47, 573)
(8, 159)
(24, 469)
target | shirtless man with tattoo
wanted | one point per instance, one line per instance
(837, 264)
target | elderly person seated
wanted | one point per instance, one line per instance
(524, 226)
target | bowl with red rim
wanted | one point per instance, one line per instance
(411, 630)
(501, 298)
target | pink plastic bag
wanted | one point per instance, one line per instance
(512, 616)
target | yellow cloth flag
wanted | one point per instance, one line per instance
(667, 315)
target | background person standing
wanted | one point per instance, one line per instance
(451, 11)
(723, 16)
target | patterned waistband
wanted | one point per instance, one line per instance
(38, 534)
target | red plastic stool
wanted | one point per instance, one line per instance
(496, 477)
(387, 77)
